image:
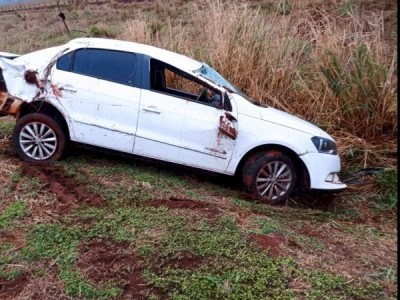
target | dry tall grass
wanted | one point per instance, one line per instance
(331, 67)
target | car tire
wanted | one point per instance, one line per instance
(270, 176)
(39, 138)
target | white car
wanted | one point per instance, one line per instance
(155, 103)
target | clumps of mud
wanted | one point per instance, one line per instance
(271, 242)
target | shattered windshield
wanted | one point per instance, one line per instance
(209, 73)
(214, 76)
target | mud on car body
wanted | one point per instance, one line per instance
(147, 101)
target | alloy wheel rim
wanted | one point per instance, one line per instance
(274, 180)
(38, 141)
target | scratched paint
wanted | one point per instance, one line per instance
(56, 91)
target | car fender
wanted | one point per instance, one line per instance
(254, 132)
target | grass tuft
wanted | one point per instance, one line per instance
(13, 212)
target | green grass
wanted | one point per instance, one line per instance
(357, 83)
(269, 226)
(243, 272)
(7, 255)
(6, 126)
(77, 286)
(387, 183)
(13, 212)
(332, 287)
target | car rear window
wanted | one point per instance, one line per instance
(65, 62)
(116, 66)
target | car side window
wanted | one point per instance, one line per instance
(169, 80)
(64, 63)
(115, 66)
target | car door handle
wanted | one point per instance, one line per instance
(69, 88)
(152, 109)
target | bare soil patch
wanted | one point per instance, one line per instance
(47, 285)
(5, 146)
(204, 209)
(11, 289)
(271, 242)
(107, 260)
(13, 237)
(178, 203)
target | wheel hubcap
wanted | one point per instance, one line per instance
(38, 141)
(274, 180)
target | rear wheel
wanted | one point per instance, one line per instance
(270, 176)
(39, 138)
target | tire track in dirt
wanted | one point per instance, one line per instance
(208, 210)
(68, 190)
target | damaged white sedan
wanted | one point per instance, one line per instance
(158, 104)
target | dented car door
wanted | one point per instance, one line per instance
(99, 88)
(207, 141)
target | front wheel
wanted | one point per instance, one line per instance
(270, 176)
(38, 138)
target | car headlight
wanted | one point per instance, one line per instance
(324, 145)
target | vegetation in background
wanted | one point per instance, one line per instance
(330, 65)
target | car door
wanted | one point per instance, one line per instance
(100, 93)
(160, 126)
(175, 127)
(209, 135)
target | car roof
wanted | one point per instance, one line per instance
(174, 59)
